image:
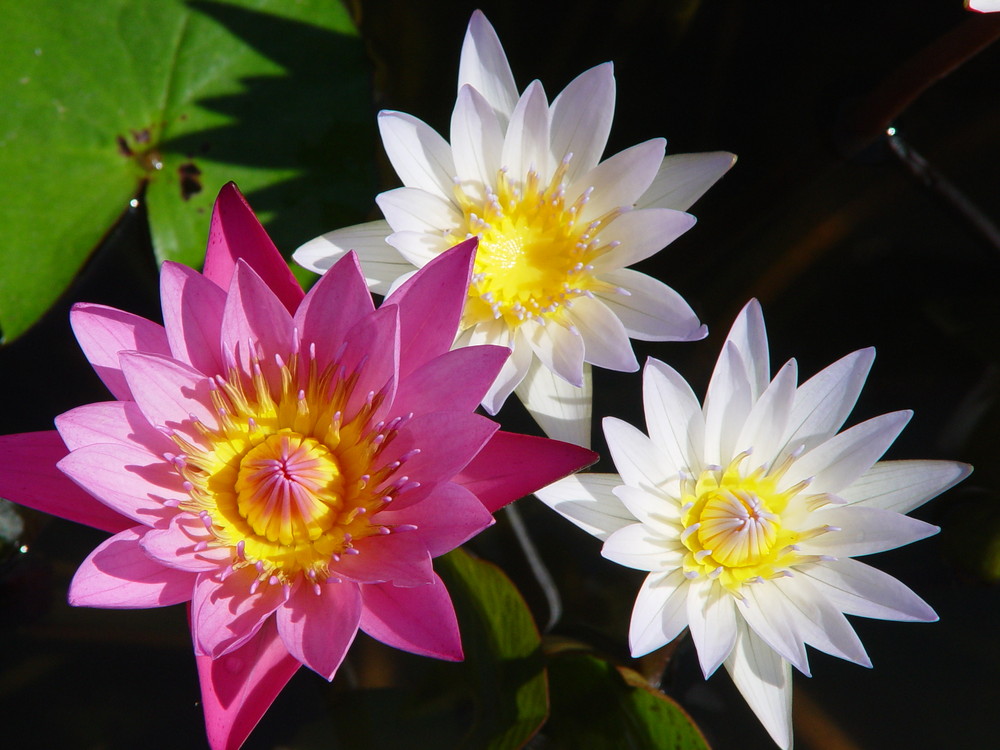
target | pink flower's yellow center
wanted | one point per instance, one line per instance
(287, 480)
(734, 524)
(535, 256)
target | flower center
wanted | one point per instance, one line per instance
(739, 528)
(535, 256)
(288, 480)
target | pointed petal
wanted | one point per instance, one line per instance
(237, 688)
(559, 349)
(236, 234)
(169, 393)
(683, 178)
(727, 405)
(636, 458)
(111, 422)
(380, 262)
(127, 479)
(225, 614)
(765, 681)
(749, 336)
(334, 305)
(430, 306)
(400, 558)
(255, 324)
(420, 156)
(902, 486)
(823, 402)
(844, 457)
(641, 233)
(447, 517)
(514, 370)
(649, 309)
(435, 446)
(476, 142)
(526, 144)
(605, 341)
(859, 589)
(581, 119)
(415, 210)
(659, 514)
(318, 628)
(192, 315)
(711, 614)
(864, 531)
(417, 249)
(29, 476)
(768, 614)
(420, 619)
(456, 380)
(103, 332)
(511, 466)
(483, 65)
(588, 501)
(563, 411)
(371, 353)
(177, 546)
(620, 180)
(673, 417)
(765, 424)
(635, 546)
(660, 612)
(120, 575)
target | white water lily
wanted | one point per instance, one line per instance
(557, 228)
(747, 512)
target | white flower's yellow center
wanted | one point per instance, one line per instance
(288, 481)
(535, 255)
(733, 528)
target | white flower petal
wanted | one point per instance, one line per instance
(619, 180)
(588, 501)
(673, 417)
(649, 309)
(581, 119)
(635, 546)
(526, 145)
(768, 416)
(419, 248)
(412, 209)
(381, 263)
(420, 156)
(711, 614)
(606, 343)
(683, 178)
(764, 680)
(563, 411)
(864, 531)
(768, 613)
(476, 142)
(512, 372)
(660, 612)
(844, 457)
(859, 589)
(483, 65)
(660, 513)
(904, 485)
(636, 458)
(641, 233)
(823, 402)
(727, 405)
(750, 338)
(560, 349)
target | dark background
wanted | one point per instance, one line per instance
(844, 247)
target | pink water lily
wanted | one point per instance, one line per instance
(289, 464)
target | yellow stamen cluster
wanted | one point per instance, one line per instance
(286, 480)
(535, 256)
(732, 524)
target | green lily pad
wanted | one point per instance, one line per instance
(603, 707)
(166, 101)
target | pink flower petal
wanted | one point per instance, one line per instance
(337, 302)
(435, 383)
(512, 466)
(176, 546)
(318, 629)
(192, 314)
(103, 332)
(255, 325)
(401, 558)
(447, 517)
(236, 234)
(225, 614)
(170, 393)
(126, 478)
(372, 353)
(119, 575)
(237, 688)
(430, 306)
(119, 422)
(29, 477)
(420, 620)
